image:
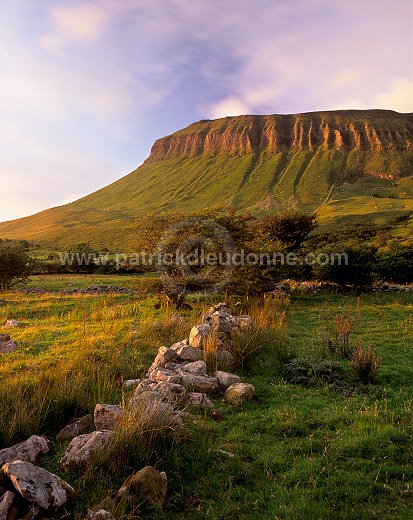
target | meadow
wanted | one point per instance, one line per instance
(320, 450)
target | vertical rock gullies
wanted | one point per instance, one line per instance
(358, 130)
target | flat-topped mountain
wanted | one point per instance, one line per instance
(346, 165)
(346, 130)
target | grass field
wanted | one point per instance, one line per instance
(300, 452)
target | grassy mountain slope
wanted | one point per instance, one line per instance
(346, 165)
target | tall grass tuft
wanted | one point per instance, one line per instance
(365, 363)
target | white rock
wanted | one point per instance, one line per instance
(6, 502)
(130, 382)
(146, 399)
(179, 344)
(197, 399)
(165, 355)
(37, 485)
(106, 416)
(187, 353)
(199, 383)
(11, 323)
(199, 335)
(170, 392)
(74, 428)
(26, 451)
(161, 374)
(81, 448)
(102, 514)
(225, 379)
(196, 367)
(146, 486)
(239, 393)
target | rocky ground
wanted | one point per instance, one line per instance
(179, 382)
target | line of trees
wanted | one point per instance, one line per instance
(223, 230)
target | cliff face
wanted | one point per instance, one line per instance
(347, 130)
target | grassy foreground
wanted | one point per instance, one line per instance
(313, 452)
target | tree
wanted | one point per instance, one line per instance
(15, 266)
(276, 240)
(190, 250)
(357, 270)
(80, 258)
(289, 228)
(396, 263)
(221, 231)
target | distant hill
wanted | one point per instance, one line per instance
(347, 165)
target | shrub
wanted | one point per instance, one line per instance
(15, 266)
(357, 271)
(338, 345)
(365, 363)
(396, 264)
(308, 371)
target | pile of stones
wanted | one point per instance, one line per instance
(176, 384)
(92, 289)
(388, 287)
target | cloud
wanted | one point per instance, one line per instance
(399, 97)
(228, 107)
(78, 24)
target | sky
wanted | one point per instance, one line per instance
(87, 86)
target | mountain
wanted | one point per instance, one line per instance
(347, 165)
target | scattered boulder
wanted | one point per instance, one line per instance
(11, 323)
(198, 335)
(225, 379)
(8, 346)
(199, 383)
(74, 428)
(195, 399)
(147, 486)
(4, 338)
(106, 416)
(6, 502)
(239, 393)
(196, 367)
(37, 485)
(26, 451)
(81, 448)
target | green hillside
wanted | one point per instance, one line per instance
(348, 166)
